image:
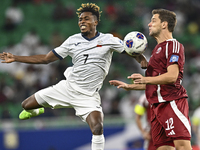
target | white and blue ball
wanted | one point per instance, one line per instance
(135, 43)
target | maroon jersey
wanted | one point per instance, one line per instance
(165, 54)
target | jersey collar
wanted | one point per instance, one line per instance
(91, 38)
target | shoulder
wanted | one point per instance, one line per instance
(75, 36)
(176, 45)
(72, 39)
(106, 35)
(111, 39)
(171, 46)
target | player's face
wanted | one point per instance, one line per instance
(87, 23)
(155, 26)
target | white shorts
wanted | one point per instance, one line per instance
(62, 95)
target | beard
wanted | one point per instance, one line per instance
(155, 33)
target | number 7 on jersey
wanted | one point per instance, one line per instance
(86, 55)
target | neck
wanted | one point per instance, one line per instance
(163, 37)
(90, 35)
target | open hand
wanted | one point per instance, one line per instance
(7, 57)
(137, 78)
(119, 84)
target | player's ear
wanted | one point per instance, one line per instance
(164, 24)
(96, 22)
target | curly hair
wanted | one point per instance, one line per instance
(90, 7)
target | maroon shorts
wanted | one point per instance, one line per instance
(170, 121)
(150, 145)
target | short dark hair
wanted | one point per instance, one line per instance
(90, 7)
(166, 15)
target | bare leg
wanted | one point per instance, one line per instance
(95, 121)
(30, 103)
(165, 147)
(32, 108)
(182, 145)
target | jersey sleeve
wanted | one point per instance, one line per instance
(116, 44)
(62, 51)
(175, 53)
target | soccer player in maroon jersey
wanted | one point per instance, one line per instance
(162, 84)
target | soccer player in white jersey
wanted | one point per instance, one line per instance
(91, 53)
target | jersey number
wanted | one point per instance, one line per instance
(86, 57)
(169, 123)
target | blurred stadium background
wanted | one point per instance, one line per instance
(30, 27)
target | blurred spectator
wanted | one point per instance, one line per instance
(196, 126)
(13, 17)
(56, 39)
(111, 11)
(142, 108)
(62, 12)
(123, 17)
(41, 1)
(3, 97)
(31, 39)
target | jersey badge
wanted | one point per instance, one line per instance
(99, 44)
(174, 58)
(158, 50)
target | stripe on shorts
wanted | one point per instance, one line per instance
(179, 114)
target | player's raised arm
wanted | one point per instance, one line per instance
(142, 60)
(34, 59)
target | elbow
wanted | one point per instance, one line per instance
(172, 80)
(45, 61)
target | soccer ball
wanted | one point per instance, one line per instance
(135, 43)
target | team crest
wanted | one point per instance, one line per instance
(158, 50)
(100, 43)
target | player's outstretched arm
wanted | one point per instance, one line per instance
(34, 59)
(126, 86)
(167, 78)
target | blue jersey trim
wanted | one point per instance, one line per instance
(57, 54)
(91, 38)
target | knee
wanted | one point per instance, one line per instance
(97, 129)
(24, 104)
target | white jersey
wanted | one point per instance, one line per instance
(91, 60)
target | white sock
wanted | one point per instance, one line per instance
(34, 111)
(98, 142)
